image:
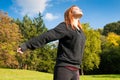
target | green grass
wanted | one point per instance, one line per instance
(101, 77)
(17, 74)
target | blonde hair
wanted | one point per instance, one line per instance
(68, 18)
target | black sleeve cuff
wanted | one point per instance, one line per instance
(23, 47)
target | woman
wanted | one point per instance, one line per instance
(70, 48)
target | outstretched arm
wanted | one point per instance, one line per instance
(54, 34)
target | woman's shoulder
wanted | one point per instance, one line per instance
(67, 27)
(62, 24)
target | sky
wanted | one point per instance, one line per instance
(97, 13)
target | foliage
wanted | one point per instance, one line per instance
(113, 39)
(91, 57)
(110, 56)
(112, 27)
(9, 39)
(39, 58)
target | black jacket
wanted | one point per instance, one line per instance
(70, 47)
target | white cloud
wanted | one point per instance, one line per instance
(30, 7)
(50, 17)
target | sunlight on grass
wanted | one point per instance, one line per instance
(17, 74)
(14, 74)
(101, 77)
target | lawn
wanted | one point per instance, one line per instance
(17, 74)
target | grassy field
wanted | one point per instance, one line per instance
(15, 74)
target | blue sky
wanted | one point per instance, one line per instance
(97, 13)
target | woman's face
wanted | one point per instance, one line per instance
(77, 12)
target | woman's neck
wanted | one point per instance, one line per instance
(75, 22)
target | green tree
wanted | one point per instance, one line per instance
(112, 27)
(110, 56)
(91, 58)
(39, 58)
(39, 24)
(29, 29)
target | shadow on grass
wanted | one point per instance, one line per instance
(107, 76)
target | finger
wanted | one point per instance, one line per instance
(19, 50)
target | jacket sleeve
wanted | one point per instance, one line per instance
(51, 35)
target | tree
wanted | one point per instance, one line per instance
(91, 58)
(110, 56)
(112, 27)
(9, 38)
(29, 29)
(39, 24)
(39, 58)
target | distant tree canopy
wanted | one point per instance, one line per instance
(31, 28)
(91, 59)
(110, 56)
(112, 27)
(9, 34)
(39, 58)
(9, 38)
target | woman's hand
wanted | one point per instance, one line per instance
(19, 50)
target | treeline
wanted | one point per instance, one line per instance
(101, 55)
